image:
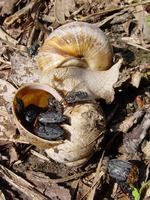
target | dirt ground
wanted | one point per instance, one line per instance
(26, 172)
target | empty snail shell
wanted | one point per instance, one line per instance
(85, 134)
(78, 56)
(35, 94)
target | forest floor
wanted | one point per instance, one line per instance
(26, 172)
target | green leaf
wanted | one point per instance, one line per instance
(148, 20)
(135, 192)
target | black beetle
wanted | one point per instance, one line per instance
(49, 131)
(124, 173)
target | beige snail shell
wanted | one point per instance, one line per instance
(78, 56)
(37, 94)
(84, 132)
(85, 135)
(76, 44)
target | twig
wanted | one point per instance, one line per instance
(4, 61)
(48, 18)
(21, 184)
(22, 141)
(138, 46)
(77, 11)
(7, 38)
(39, 155)
(11, 19)
(112, 10)
(98, 175)
(102, 22)
(29, 42)
(40, 177)
(96, 180)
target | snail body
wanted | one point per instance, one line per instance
(78, 56)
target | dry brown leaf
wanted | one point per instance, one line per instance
(48, 186)
(2, 197)
(141, 16)
(133, 139)
(6, 95)
(23, 70)
(8, 7)
(13, 155)
(136, 79)
(63, 9)
(7, 38)
(130, 121)
(21, 184)
(83, 189)
(56, 191)
(146, 150)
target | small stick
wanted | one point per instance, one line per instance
(48, 18)
(112, 10)
(7, 38)
(21, 184)
(11, 19)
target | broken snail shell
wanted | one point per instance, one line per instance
(78, 57)
(38, 95)
(83, 134)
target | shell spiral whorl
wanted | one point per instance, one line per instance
(78, 57)
(76, 44)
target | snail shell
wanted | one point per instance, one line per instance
(78, 56)
(83, 134)
(77, 44)
(36, 94)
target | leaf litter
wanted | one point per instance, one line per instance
(26, 171)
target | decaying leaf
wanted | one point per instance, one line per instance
(21, 66)
(6, 95)
(130, 121)
(136, 78)
(21, 185)
(11, 19)
(146, 150)
(133, 139)
(143, 28)
(13, 154)
(8, 7)
(63, 9)
(2, 197)
(4, 36)
(83, 190)
(48, 186)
